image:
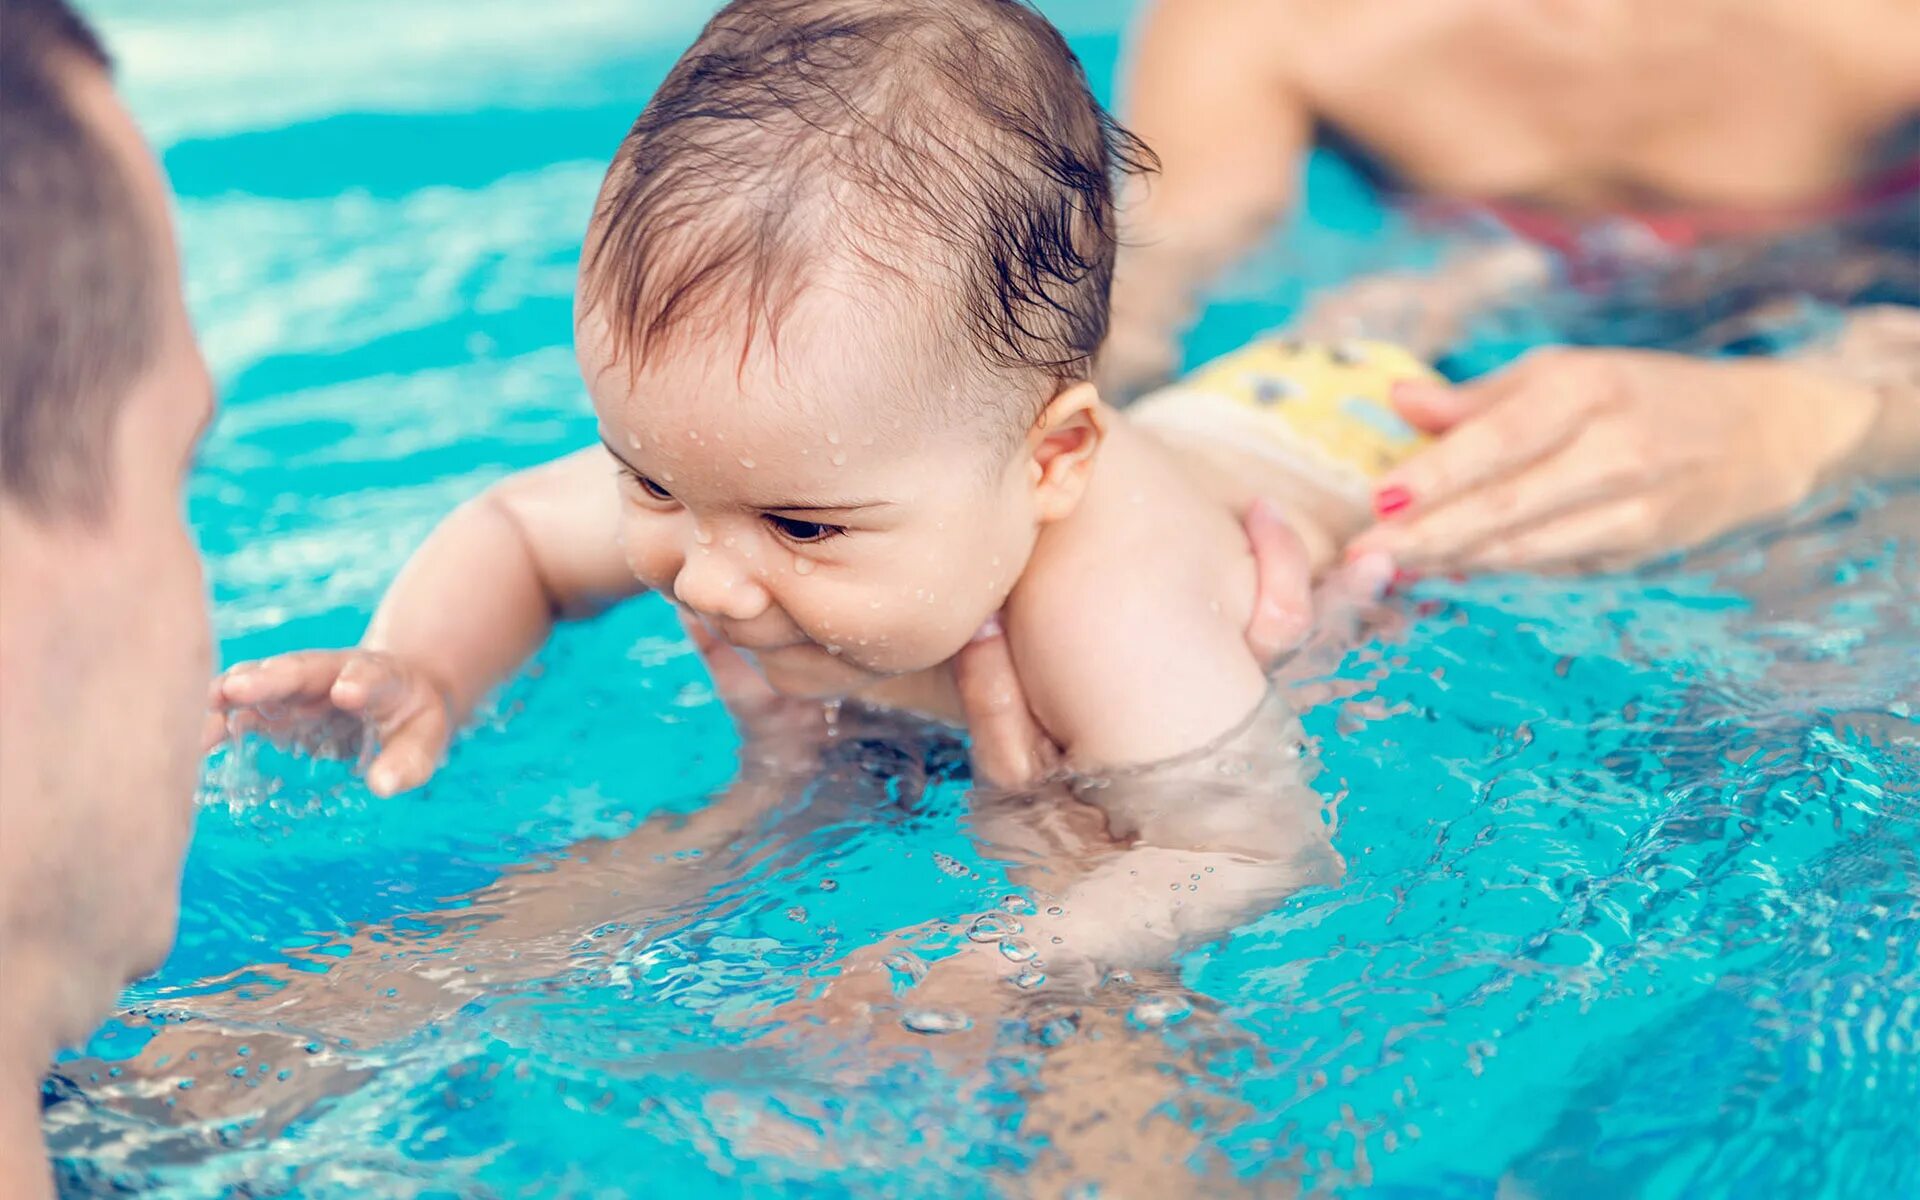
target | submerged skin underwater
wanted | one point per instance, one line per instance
(1632, 890)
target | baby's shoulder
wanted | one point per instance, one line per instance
(1128, 626)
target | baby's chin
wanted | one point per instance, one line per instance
(811, 673)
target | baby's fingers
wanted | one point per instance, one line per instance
(307, 675)
(409, 754)
(374, 687)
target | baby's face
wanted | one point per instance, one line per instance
(805, 507)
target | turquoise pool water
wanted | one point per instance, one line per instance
(1633, 893)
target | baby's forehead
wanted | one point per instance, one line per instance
(838, 362)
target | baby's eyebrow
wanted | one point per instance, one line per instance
(619, 457)
(783, 506)
(842, 506)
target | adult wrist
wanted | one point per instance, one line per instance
(1875, 357)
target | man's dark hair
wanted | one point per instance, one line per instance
(77, 269)
(953, 145)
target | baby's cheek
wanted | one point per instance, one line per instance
(649, 554)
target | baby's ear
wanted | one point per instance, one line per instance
(1064, 443)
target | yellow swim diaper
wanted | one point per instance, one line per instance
(1321, 410)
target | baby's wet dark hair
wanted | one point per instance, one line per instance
(952, 146)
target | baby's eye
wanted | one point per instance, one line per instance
(803, 531)
(644, 484)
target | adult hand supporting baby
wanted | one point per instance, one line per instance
(1011, 750)
(1604, 459)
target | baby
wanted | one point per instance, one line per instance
(837, 313)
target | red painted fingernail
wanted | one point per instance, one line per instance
(1390, 500)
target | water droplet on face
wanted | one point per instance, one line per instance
(633, 441)
(666, 477)
(833, 437)
(991, 927)
(746, 462)
(693, 435)
(703, 535)
(839, 458)
(934, 1021)
(802, 566)
(729, 540)
(873, 604)
(833, 648)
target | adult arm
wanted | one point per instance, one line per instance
(1208, 93)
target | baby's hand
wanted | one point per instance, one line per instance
(328, 700)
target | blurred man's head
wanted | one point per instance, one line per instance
(103, 628)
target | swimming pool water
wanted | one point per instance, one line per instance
(1632, 904)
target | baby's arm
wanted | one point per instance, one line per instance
(478, 597)
(483, 592)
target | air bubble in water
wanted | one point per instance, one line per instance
(1016, 904)
(1029, 978)
(1157, 1012)
(991, 927)
(1016, 949)
(909, 967)
(934, 1021)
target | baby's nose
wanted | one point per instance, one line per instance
(713, 583)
